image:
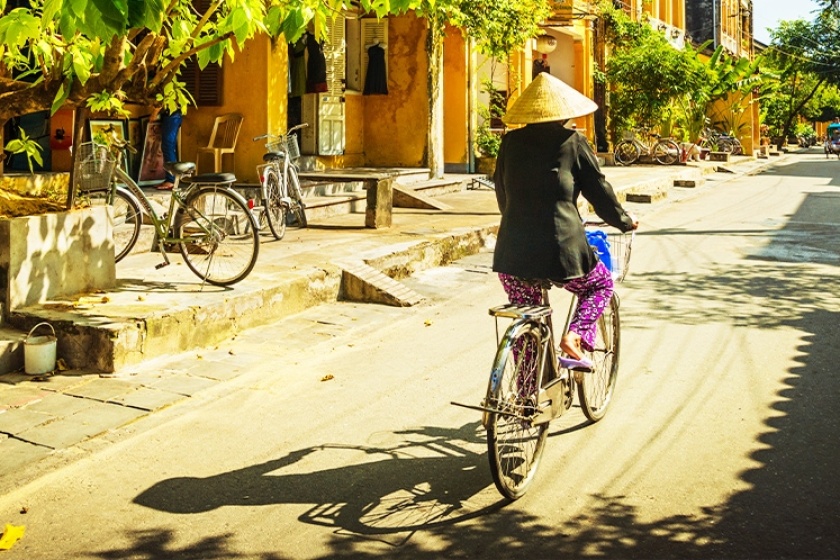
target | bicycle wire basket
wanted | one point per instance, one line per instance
(94, 165)
(619, 246)
(287, 144)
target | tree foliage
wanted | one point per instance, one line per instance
(498, 27)
(646, 74)
(804, 56)
(71, 52)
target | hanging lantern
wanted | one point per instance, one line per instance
(545, 43)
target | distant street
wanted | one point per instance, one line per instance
(721, 441)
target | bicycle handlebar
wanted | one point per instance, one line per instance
(269, 135)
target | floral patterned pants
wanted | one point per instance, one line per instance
(593, 291)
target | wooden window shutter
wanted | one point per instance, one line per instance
(204, 85)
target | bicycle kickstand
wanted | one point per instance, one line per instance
(162, 249)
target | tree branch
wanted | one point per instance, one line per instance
(205, 18)
(164, 73)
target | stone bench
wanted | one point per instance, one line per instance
(378, 186)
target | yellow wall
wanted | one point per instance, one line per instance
(254, 86)
(395, 124)
(456, 118)
(354, 125)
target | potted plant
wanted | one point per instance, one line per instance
(488, 139)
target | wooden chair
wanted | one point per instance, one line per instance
(222, 140)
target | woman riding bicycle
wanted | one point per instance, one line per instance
(541, 170)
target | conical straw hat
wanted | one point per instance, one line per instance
(548, 99)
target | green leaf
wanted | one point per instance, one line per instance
(14, 146)
(51, 8)
(60, 98)
(81, 66)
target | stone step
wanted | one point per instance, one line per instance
(151, 313)
(437, 187)
(140, 320)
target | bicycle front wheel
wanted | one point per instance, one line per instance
(218, 235)
(595, 389)
(666, 152)
(514, 444)
(127, 219)
(626, 152)
(274, 207)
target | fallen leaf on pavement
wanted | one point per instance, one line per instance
(11, 535)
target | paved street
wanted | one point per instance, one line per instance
(330, 434)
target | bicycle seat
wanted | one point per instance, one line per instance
(271, 156)
(210, 178)
(179, 167)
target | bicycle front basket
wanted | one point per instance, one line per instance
(93, 168)
(294, 149)
(275, 146)
(620, 246)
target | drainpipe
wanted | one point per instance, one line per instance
(715, 23)
(470, 107)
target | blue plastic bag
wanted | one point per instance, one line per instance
(597, 239)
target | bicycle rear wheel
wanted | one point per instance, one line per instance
(725, 145)
(595, 389)
(666, 152)
(274, 207)
(127, 219)
(514, 444)
(626, 152)
(219, 235)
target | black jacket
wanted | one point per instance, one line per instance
(540, 172)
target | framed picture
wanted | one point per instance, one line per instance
(101, 130)
(151, 164)
(136, 135)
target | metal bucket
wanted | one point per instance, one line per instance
(39, 352)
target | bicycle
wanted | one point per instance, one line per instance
(715, 140)
(211, 224)
(528, 388)
(664, 150)
(93, 173)
(279, 183)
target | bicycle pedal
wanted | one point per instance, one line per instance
(161, 265)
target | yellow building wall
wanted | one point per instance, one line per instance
(354, 130)
(581, 76)
(254, 86)
(746, 124)
(395, 125)
(456, 118)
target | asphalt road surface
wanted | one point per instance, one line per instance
(341, 442)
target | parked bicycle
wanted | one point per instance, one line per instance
(717, 141)
(210, 223)
(664, 150)
(279, 182)
(527, 387)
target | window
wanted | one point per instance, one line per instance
(204, 85)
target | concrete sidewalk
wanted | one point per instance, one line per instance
(162, 332)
